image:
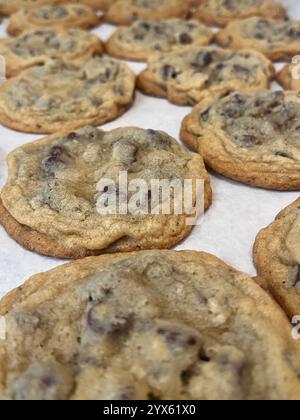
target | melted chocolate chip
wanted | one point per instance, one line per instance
(168, 72)
(203, 59)
(247, 140)
(185, 39)
(283, 154)
(72, 136)
(205, 115)
(102, 324)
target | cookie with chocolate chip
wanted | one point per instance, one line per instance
(277, 258)
(38, 45)
(156, 325)
(8, 7)
(289, 77)
(124, 12)
(50, 203)
(222, 12)
(186, 77)
(53, 16)
(143, 37)
(60, 95)
(276, 39)
(251, 138)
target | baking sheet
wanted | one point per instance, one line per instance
(229, 227)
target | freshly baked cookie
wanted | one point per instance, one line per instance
(222, 12)
(124, 12)
(289, 77)
(62, 16)
(7, 7)
(277, 39)
(277, 258)
(55, 211)
(38, 45)
(142, 38)
(186, 77)
(252, 138)
(160, 325)
(61, 95)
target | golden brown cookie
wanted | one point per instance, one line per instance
(59, 95)
(277, 39)
(186, 77)
(222, 12)
(289, 77)
(38, 45)
(277, 258)
(102, 5)
(62, 16)
(251, 138)
(156, 325)
(124, 12)
(144, 37)
(56, 212)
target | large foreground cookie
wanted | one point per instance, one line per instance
(51, 196)
(7, 7)
(36, 46)
(278, 40)
(62, 16)
(221, 12)
(254, 139)
(142, 38)
(187, 76)
(151, 325)
(289, 77)
(277, 258)
(61, 96)
(124, 12)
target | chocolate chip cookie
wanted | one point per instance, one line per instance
(289, 77)
(252, 138)
(157, 325)
(53, 16)
(277, 258)
(186, 77)
(124, 12)
(142, 38)
(61, 95)
(222, 12)
(51, 199)
(7, 7)
(36, 46)
(277, 39)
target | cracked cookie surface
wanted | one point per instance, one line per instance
(149, 325)
(186, 77)
(277, 39)
(124, 12)
(37, 46)
(277, 258)
(142, 38)
(60, 95)
(51, 196)
(222, 12)
(61, 16)
(254, 138)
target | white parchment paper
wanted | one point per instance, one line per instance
(230, 226)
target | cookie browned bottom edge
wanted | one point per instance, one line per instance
(145, 84)
(240, 172)
(53, 128)
(112, 49)
(40, 243)
(262, 260)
